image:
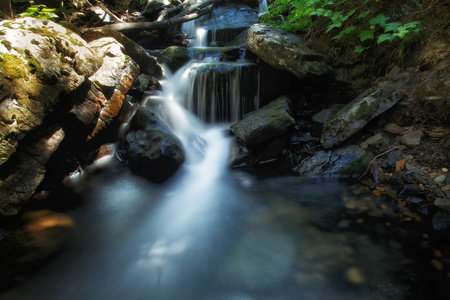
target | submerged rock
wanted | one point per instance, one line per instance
(356, 114)
(269, 122)
(285, 51)
(43, 234)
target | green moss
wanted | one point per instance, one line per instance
(356, 167)
(12, 65)
(33, 65)
(7, 44)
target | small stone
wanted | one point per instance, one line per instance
(440, 179)
(354, 275)
(377, 193)
(393, 128)
(442, 203)
(412, 138)
(375, 140)
(364, 145)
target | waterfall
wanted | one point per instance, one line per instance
(262, 7)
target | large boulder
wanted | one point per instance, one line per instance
(39, 60)
(47, 71)
(356, 114)
(269, 122)
(285, 51)
(20, 177)
(154, 152)
(108, 86)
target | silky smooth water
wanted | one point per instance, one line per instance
(210, 233)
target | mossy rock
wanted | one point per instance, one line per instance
(178, 55)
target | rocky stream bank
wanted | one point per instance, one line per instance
(64, 97)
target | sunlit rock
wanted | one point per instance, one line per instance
(39, 59)
(285, 51)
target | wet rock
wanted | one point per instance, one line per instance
(269, 122)
(154, 151)
(240, 156)
(229, 17)
(412, 139)
(179, 56)
(285, 51)
(410, 191)
(393, 128)
(441, 224)
(355, 115)
(350, 161)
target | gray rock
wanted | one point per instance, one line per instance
(33, 78)
(350, 161)
(179, 56)
(356, 114)
(412, 138)
(375, 140)
(265, 124)
(442, 203)
(154, 6)
(441, 223)
(22, 176)
(285, 51)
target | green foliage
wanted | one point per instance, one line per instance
(40, 11)
(358, 26)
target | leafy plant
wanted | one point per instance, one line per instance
(298, 15)
(40, 11)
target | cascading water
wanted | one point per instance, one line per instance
(210, 234)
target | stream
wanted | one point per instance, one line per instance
(214, 233)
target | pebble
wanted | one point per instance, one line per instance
(440, 179)
(375, 140)
(442, 203)
(412, 138)
(354, 275)
(393, 128)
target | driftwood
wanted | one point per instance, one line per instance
(187, 14)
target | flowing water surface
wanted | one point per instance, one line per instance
(213, 233)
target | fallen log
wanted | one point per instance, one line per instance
(188, 14)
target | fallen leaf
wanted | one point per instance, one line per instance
(400, 165)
